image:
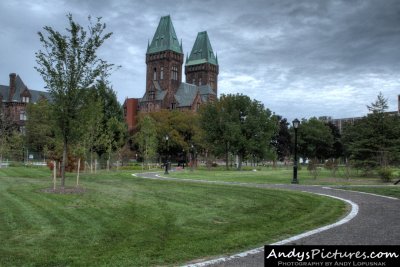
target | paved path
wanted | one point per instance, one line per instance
(377, 221)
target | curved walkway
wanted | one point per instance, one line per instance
(377, 221)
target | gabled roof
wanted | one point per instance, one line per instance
(20, 87)
(165, 38)
(202, 51)
(159, 94)
(186, 94)
(205, 91)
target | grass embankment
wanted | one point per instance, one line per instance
(275, 176)
(126, 221)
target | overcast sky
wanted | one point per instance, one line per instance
(299, 58)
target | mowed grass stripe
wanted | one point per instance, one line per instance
(126, 221)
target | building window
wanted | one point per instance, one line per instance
(199, 81)
(174, 73)
(25, 99)
(212, 81)
(173, 105)
(22, 115)
(152, 95)
(155, 74)
(162, 73)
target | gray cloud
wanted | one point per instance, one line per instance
(300, 58)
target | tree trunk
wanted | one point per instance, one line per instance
(64, 162)
(77, 175)
(54, 174)
(226, 157)
(240, 158)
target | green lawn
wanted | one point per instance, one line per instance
(274, 176)
(126, 221)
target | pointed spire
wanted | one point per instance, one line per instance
(165, 37)
(202, 51)
(187, 58)
(216, 58)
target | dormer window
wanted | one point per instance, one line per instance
(25, 99)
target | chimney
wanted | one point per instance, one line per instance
(11, 93)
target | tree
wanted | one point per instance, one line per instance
(39, 134)
(315, 140)
(374, 140)
(239, 125)
(68, 65)
(4, 135)
(283, 140)
(146, 137)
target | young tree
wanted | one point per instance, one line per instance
(146, 138)
(68, 65)
(40, 135)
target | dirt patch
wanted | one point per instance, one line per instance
(65, 190)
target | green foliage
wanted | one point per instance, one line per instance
(283, 140)
(69, 65)
(373, 141)
(40, 133)
(182, 128)
(385, 174)
(236, 124)
(146, 138)
(315, 139)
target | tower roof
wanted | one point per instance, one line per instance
(202, 51)
(164, 38)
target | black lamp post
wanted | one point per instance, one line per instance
(166, 158)
(296, 124)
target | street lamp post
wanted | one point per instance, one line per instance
(296, 124)
(166, 158)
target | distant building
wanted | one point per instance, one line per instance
(164, 86)
(14, 99)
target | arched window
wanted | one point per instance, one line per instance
(155, 74)
(162, 73)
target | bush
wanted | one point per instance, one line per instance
(385, 174)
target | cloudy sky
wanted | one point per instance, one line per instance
(299, 58)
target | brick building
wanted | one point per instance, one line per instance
(14, 99)
(164, 86)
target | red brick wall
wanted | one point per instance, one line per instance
(130, 112)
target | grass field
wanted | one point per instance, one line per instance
(276, 176)
(125, 221)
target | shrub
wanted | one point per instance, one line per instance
(385, 174)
